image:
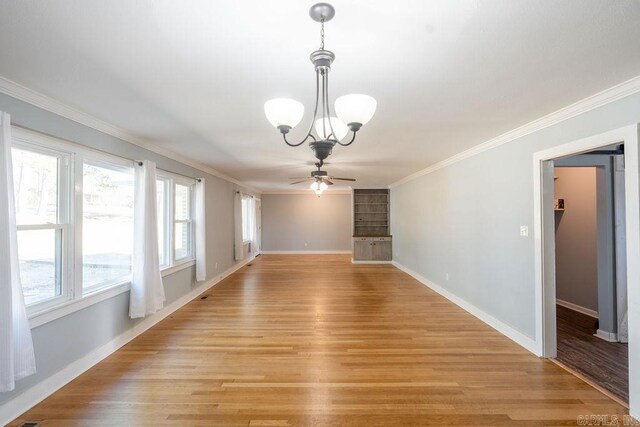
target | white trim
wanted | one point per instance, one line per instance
(606, 336)
(506, 330)
(353, 261)
(592, 102)
(21, 403)
(329, 252)
(578, 308)
(22, 93)
(71, 306)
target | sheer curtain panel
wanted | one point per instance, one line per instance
(147, 291)
(201, 231)
(17, 359)
(237, 226)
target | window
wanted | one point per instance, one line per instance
(74, 215)
(183, 222)
(41, 182)
(107, 224)
(247, 218)
(175, 218)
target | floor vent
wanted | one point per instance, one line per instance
(29, 424)
(204, 296)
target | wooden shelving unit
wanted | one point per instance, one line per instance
(371, 212)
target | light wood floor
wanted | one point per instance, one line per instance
(316, 341)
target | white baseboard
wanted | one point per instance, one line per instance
(29, 398)
(515, 335)
(607, 336)
(578, 308)
(330, 252)
(354, 261)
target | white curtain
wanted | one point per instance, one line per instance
(237, 226)
(201, 232)
(147, 291)
(17, 359)
(254, 226)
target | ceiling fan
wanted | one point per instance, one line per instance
(321, 179)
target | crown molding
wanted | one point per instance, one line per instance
(37, 99)
(592, 102)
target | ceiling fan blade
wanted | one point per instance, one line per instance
(302, 177)
(326, 181)
(298, 182)
(342, 179)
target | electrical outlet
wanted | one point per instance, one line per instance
(216, 267)
(446, 276)
(524, 230)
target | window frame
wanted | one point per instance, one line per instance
(64, 218)
(172, 180)
(75, 299)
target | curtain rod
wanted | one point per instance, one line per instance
(197, 179)
(248, 195)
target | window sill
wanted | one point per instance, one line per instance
(47, 315)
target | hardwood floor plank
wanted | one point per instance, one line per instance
(317, 341)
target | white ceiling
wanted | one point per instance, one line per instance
(192, 76)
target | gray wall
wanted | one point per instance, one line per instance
(576, 237)
(289, 221)
(62, 341)
(464, 219)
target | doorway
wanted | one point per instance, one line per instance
(545, 256)
(590, 267)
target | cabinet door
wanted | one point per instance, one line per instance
(381, 251)
(362, 250)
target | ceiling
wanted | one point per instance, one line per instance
(192, 76)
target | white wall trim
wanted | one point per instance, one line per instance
(592, 102)
(21, 403)
(506, 330)
(37, 99)
(607, 336)
(327, 252)
(354, 261)
(578, 308)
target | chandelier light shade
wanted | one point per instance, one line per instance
(284, 112)
(355, 108)
(353, 111)
(324, 130)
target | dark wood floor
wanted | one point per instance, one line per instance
(605, 363)
(309, 340)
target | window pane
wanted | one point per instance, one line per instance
(107, 225)
(161, 211)
(183, 240)
(35, 182)
(39, 252)
(183, 202)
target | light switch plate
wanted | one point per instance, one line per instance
(524, 230)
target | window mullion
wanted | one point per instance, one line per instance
(76, 253)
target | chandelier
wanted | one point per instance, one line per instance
(352, 111)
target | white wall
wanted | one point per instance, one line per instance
(576, 237)
(305, 222)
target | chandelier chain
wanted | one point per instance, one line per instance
(322, 34)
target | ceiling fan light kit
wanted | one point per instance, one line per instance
(352, 111)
